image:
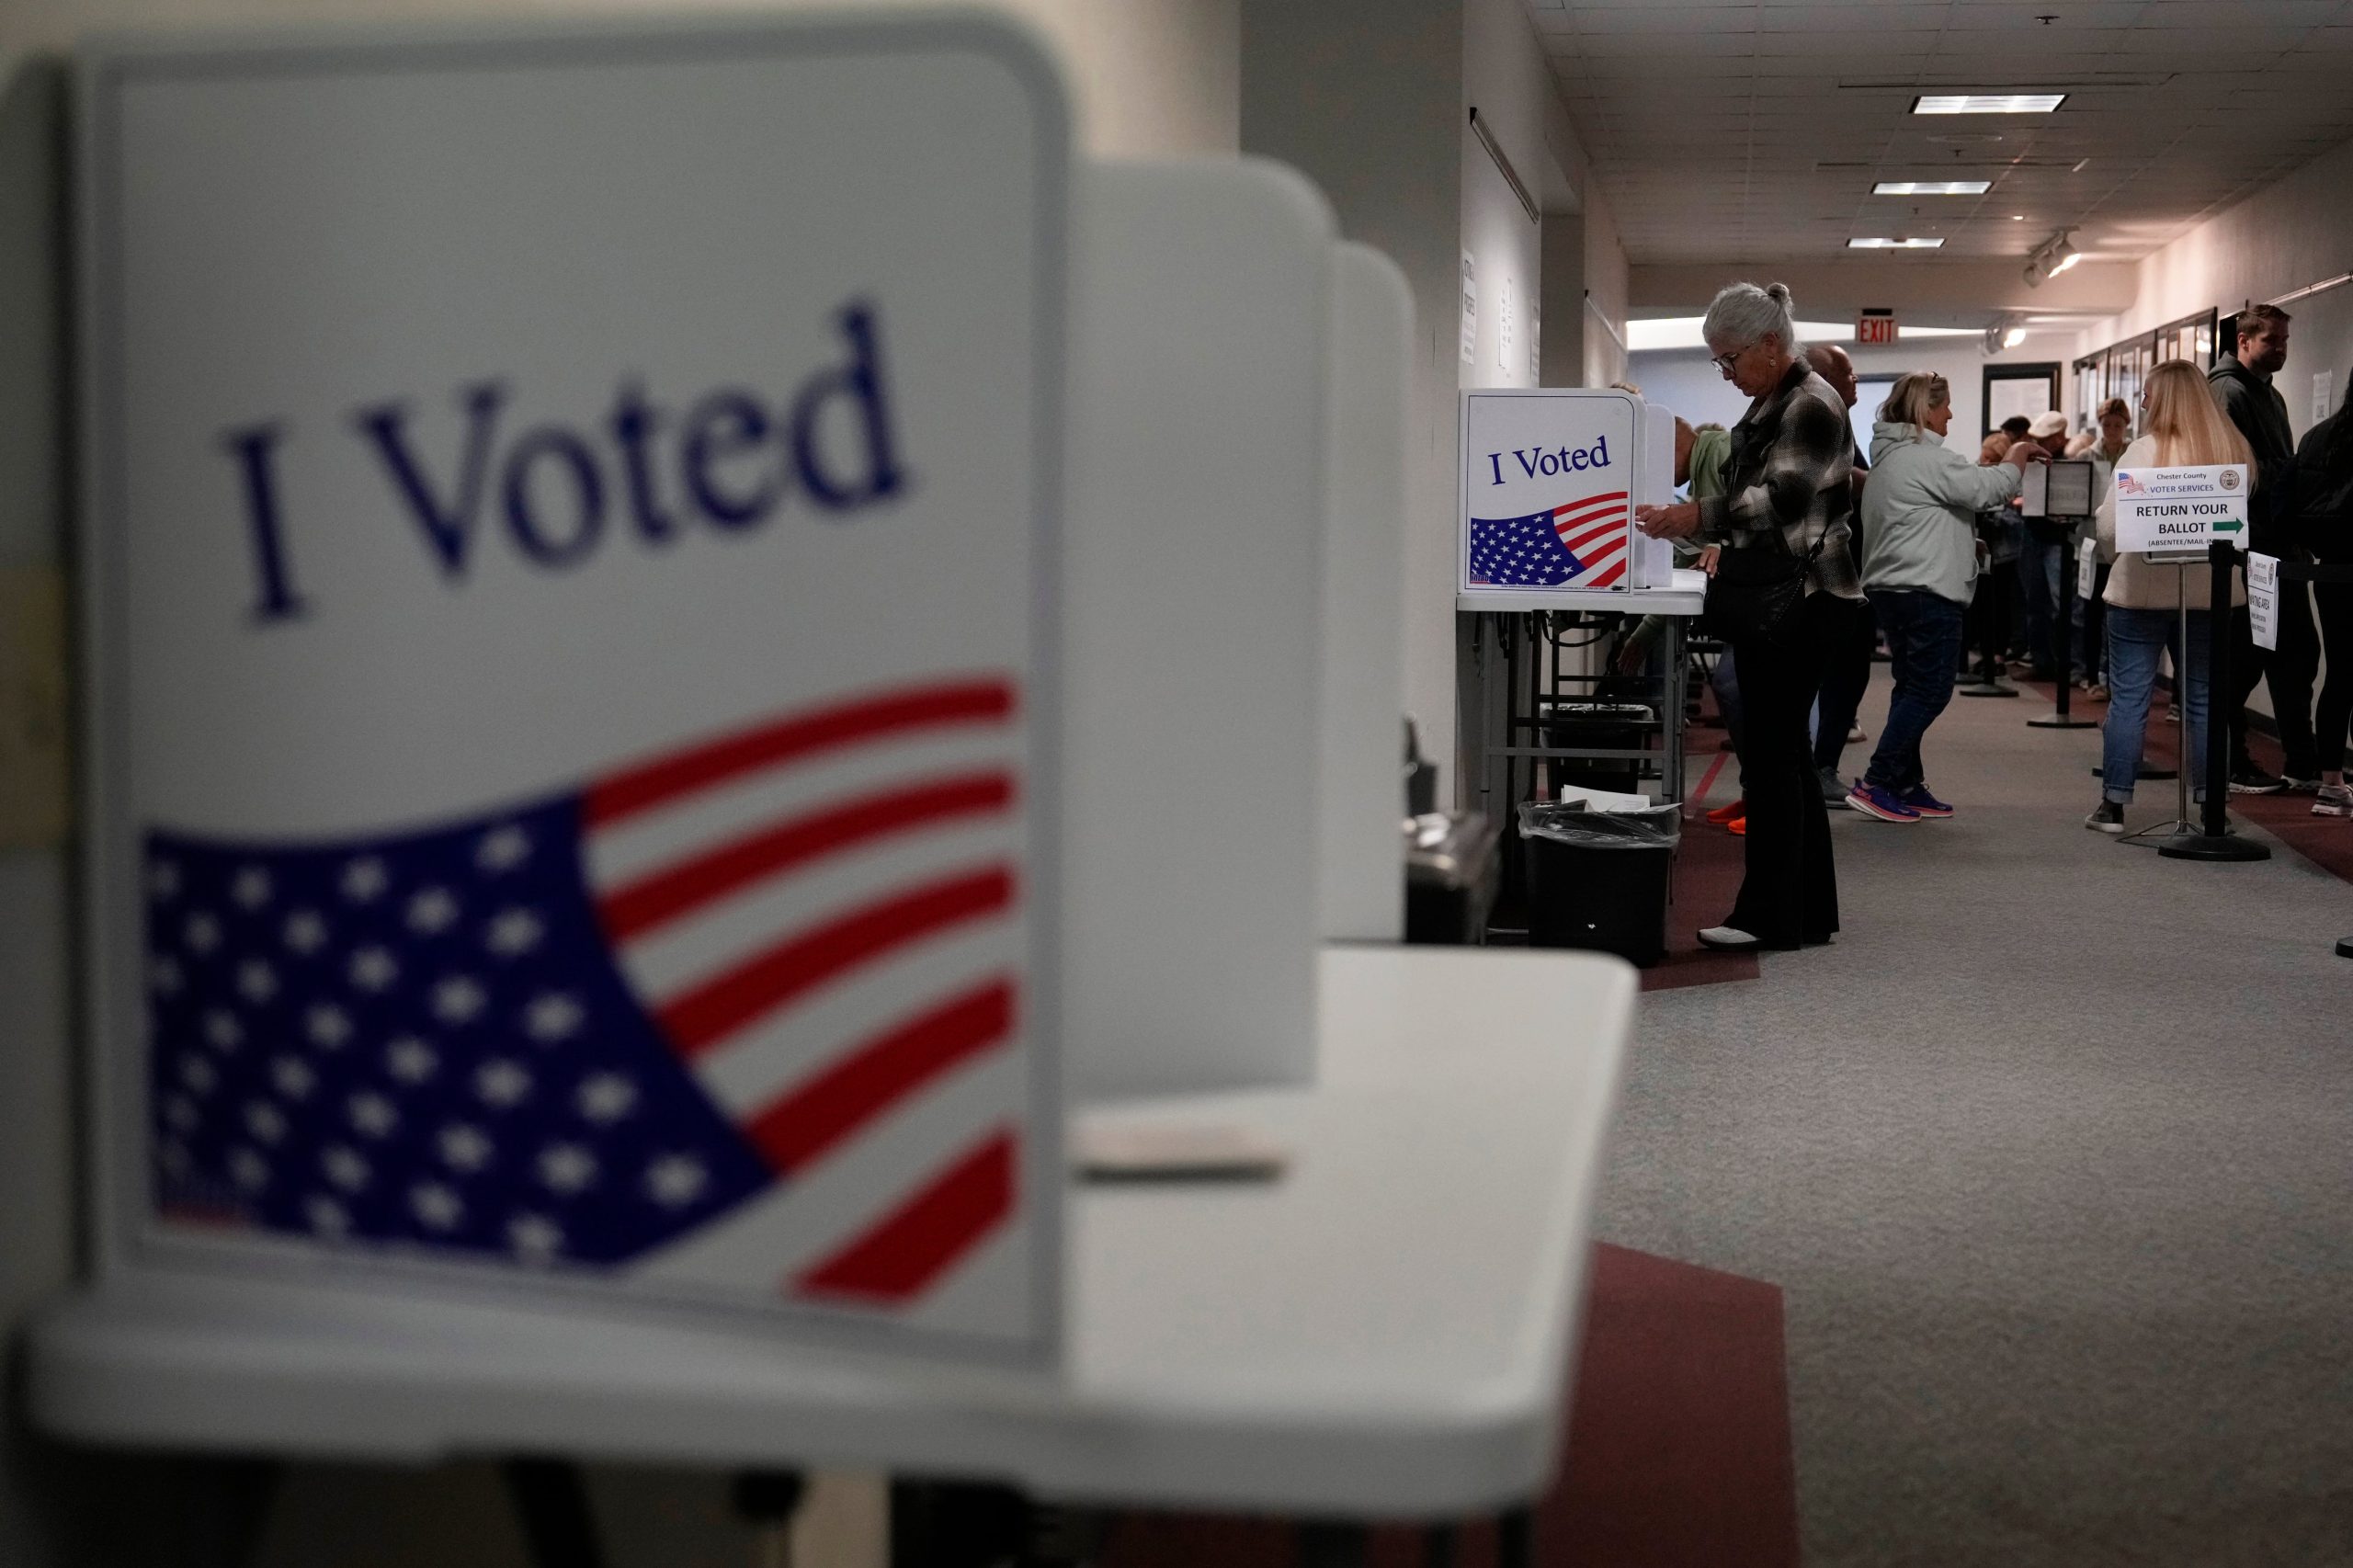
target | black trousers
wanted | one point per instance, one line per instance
(1844, 680)
(2291, 669)
(2334, 602)
(1790, 892)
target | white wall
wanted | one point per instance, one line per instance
(1505, 79)
(2294, 231)
(1684, 379)
(1607, 286)
(1149, 76)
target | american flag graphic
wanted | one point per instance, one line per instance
(1581, 545)
(590, 1030)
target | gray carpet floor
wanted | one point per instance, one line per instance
(2053, 1156)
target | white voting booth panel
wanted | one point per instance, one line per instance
(511, 548)
(1361, 874)
(1385, 1332)
(572, 757)
(1551, 478)
(1199, 316)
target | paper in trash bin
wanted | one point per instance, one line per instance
(1603, 800)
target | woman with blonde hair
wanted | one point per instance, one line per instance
(1920, 568)
(2182, 426)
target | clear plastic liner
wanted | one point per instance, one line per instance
(1647, 827)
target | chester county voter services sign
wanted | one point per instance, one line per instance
(566, 519)
(2180, 509)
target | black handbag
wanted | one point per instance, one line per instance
(1754, 593)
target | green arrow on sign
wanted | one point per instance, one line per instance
(2229, 525)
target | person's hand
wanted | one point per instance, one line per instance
(1630, 657)
(1678, 521)
(2023, 453)
(1709, 555)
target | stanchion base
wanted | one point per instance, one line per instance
(2345, 947)
(2061, 721)
(2213, 846)
(2158, 835)
(1993, 688)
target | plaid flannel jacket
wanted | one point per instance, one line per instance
(1791, 455)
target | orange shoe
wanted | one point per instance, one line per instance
(1733, 812)
(1737, 827)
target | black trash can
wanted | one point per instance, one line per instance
(1599, 880)
(1598, 726)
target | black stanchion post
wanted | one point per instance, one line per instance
(2062, 652)
(2216, 841)
(1991, 628)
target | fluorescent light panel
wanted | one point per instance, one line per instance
(1932, 187)
(1987, 103)
(1882, 242)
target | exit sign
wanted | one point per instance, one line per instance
(1875, 327)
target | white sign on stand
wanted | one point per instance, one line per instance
(2178, 510)
(569, 565)
(1549, 481)
(2263, 598)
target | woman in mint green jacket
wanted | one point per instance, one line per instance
(1920, 566)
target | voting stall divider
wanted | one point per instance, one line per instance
(1549, 482)
(676, 617)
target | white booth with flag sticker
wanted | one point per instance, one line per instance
(586, 808)
(1549, 481)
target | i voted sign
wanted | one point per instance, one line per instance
(2160, 509)
(1547, 488)
(568, 515)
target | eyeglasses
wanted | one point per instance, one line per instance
(1724, 362)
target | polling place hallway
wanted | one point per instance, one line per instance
(2051, 1158)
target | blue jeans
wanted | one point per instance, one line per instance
(1923, 650)
(2135, 638)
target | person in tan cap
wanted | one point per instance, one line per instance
(2042, 554)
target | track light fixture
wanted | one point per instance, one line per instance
(2053, 256)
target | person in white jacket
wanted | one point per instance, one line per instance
(2184, 427)
(1919, 568)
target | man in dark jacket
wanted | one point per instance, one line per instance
(2243, 383)
(2323, 518)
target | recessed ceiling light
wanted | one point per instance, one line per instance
(1932, 187)
(1880, 241)
(1987, 103)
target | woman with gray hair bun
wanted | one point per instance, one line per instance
(1786, 490)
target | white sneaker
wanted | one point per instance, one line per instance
(1731, 936)
(2334, 801)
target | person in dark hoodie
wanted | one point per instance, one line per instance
(2323, 512)
(2243, 382)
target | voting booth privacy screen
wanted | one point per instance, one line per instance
(1551, 478)
(568, 554)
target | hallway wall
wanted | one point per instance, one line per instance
(1148, 76)
(1685, 380)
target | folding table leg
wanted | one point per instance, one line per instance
(558, 1530)
(1515, 1540)
(1332, 1546)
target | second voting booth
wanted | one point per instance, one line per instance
(1548, 555)
(654, 770)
